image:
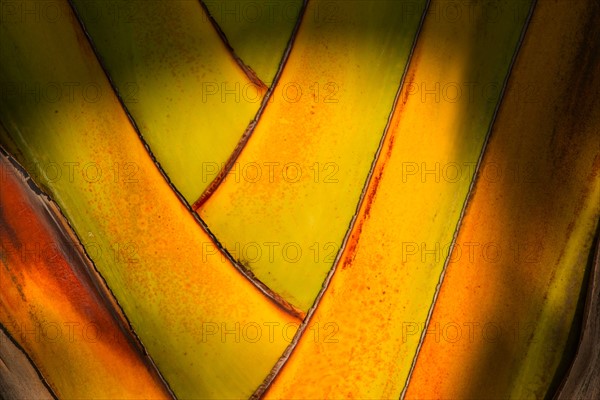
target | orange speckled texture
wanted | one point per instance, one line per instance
(160, 264)
(50, 305)
(540, 213)
(381, 288)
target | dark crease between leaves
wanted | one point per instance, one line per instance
(470, 193)
(91, 273)
(264, 289)
(212, 187)
(262, 389)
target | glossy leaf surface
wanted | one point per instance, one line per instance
(516, 275)
(259, 30)
(285, 206)
(57, 309)
(418, 190)
(143, 240)
(177, 79)
(388, 273)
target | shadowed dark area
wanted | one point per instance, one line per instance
(564, 130)
(560, 132)
(575, 377)
(19, 378)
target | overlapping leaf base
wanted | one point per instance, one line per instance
(299, 199)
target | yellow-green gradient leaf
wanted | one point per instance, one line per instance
(389, 270)
(190, 99)
(259, 30)
(57, 309)
(508, 299)
(285, 206)
(143, 240)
